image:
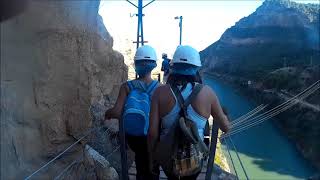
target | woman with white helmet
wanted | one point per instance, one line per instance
(165, 109)
(131, 105)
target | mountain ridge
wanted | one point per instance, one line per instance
(277, 48)
(276, 23)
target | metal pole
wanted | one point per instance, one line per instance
(140, 38)
(138, 32)
(139, 22)
(212, 153)
(123, 151)
(140, 15)
(180, 25)
(148, 3)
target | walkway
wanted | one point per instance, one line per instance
(132, 173)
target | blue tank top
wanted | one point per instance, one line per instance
(170, 118)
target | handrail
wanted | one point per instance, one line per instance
(67, 168)
(236, 151)
(64, 151)
(212, 153)
(233, 166)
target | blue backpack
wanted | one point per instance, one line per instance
(137, 108)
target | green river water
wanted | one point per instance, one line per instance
(265, 152)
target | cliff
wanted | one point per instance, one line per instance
(277, 48)
(56, 62)
(279, 33)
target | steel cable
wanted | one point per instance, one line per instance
(275, 111)
(64, 151)
(285, 103)
(236, 151)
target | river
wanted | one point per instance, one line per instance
(264, 151)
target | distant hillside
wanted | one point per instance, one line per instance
(278, 48)
(279, 33)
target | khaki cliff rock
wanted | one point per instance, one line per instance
(56, 61)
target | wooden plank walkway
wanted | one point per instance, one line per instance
(132, 173)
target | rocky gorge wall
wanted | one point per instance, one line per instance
(56, 62)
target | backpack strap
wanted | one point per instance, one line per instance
(130, 85)
(151, 87)
(197, 88)
(134, 84)
(178, 95)
(191, 134)
(185, 103)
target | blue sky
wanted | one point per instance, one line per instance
(203, 21)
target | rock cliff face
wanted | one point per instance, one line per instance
(277, 47)
(56, 61)
(279, 33)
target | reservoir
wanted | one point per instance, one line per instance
(264, 151)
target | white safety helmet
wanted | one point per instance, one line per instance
(186, 55)
(145, 52)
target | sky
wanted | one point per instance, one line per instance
(203, 21)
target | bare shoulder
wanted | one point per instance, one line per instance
(207, 90)
(124, 87)
(162, 88)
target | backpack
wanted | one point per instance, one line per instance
(137, 108)
(181, 152)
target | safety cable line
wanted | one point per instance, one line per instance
(78, 159)
(68, 167)
(285, 103)
(116, 149)
(275, 113)
(289, 101)
(305, 91)
(233, 166)
(249, 116)
(236, 151)
(258, 121)
(271, 114)
(60, 154)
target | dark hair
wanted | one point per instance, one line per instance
(178, 79)
(198, 78)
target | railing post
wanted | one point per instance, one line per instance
(212, 153)
(123, 150)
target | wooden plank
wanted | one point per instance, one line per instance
(133, 172)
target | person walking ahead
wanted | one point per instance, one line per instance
(165, 66)
(185, 104)
(133, 106)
